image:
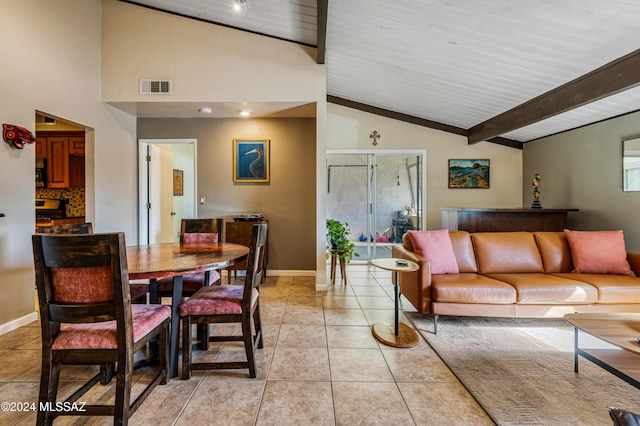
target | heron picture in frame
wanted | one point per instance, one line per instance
(251, 160)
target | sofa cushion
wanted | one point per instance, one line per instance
(548, 289)
(598, 252)
(554, 250)
(463, 250)
(506, 252)
(435, 247)
(611, 288)
(470, 288)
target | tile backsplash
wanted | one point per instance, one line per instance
(75, 207)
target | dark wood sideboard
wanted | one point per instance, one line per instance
(504, 220)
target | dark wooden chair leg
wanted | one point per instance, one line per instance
(186, 348)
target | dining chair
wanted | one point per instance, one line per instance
(67, 228)
(228, 304)
(138, 291)
(194, 231)
(86, 318)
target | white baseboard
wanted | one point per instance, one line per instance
(18, 322)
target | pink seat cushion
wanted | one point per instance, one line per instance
(200, 237)
(190, 282)
(102, 335)
(82, 284)
(215, 300)
(436, 248)
(598, 252)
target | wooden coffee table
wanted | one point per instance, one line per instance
(619, 329)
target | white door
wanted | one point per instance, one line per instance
(159, 210)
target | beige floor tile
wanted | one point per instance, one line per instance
(339, 290)
(271, 314)
(237, 353)
(344, 317)
(300, 364)
(17, 363)
(417, 365)
(339, 336)
(442, 404)
(376, 302)
(370, 404)
(16, 338)
(302, 336)
(165, 403)
(369, 291)
(223, 403)
(340, 302)
(363, 282)
(299, 301)
(303, 316)
(296, 403)
(358, 365)
(18, 392)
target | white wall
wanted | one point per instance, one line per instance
(349, 129)
(582, 169)
(209, 63)
(52, 62)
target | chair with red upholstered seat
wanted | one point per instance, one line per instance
(86, 317)
(228, 304)
(194, 231)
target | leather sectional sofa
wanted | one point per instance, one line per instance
(516, 274)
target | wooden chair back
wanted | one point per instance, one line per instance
(69, 228)
(255, 264)
(193, 226)
(81, 279)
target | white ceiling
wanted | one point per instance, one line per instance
(455, 62)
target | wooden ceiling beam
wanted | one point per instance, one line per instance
(614, 77)
(321, 37)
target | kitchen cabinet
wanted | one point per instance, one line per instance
(65, 158)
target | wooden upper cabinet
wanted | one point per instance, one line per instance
(76, 145)
(64, 152)
(41, 147)
(58, 162)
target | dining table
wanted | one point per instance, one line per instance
(154, 261)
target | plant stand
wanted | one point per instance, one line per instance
(343, 266)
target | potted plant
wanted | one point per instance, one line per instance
(338, 242)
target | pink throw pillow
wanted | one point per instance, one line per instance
(435, 247)
(598, 252)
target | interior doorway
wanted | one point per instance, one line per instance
(167, 187)
(378, 194)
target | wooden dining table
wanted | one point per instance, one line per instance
(153, 261)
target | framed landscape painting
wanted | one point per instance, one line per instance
(468, 173)
(251, 160)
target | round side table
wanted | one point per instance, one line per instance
(401, 335)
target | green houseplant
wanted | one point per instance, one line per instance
(338, 241)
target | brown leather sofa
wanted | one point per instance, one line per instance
(515, 274)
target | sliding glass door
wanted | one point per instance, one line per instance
(379, 196)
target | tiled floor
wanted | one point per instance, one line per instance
(320, 366)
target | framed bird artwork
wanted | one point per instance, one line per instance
(251, 160)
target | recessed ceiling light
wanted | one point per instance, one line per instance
(239, 5)
(245, 112)
(205, 110)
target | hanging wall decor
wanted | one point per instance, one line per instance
(17, 136)
(468, 173)
(251, 160)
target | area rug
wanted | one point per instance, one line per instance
(521, 370)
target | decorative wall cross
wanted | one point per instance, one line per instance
(375, 136)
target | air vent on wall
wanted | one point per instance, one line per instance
(155, 87)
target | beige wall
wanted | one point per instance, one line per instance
(287, 201)
(52, 63)
(349, 129)
(583, 169)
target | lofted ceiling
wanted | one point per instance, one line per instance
(507, 71)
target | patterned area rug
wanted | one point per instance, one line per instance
(521, 370)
